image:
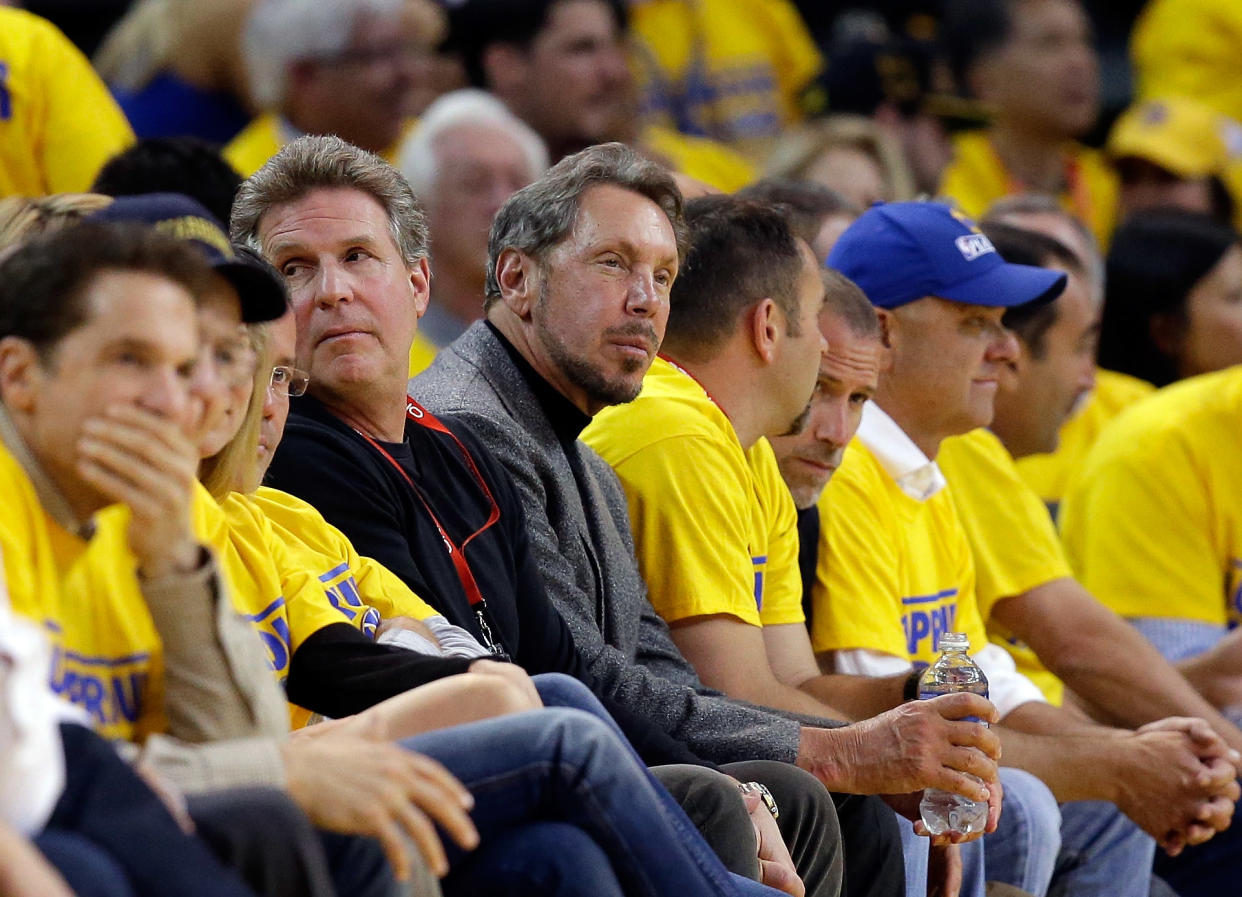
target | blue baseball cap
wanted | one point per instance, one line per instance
(260, 289)
(899, 252)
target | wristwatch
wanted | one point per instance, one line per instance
(764, 795)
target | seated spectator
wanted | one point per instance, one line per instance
(431, 487)
(816, 214)
(184, 165)
(1171, 309)
(846, 153)
(348, 68)
(896, 568)
(1173, 153)
(731, 70)
(560, 66)
(1030, 602)
(466, 156)
(1151, 531)
(1048, 473)
(1033, 63)
(59, 122)
(175, 68)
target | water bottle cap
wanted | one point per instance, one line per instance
(953, 641)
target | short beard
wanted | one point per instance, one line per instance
(582, 373)
(799, 422)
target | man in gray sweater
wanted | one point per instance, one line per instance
(579, 270)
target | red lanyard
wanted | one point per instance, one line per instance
(417, 414)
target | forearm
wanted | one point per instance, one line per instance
(1069, 755)
(1216, 675)
(1122, 679)
(857, 697)
(217, 682)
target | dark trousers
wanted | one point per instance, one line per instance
(107, 807)
(1205, 870)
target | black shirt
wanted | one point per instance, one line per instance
(359, 490)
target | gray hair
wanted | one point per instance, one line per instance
(279, 33)
(542, 214)
(324, 162)
(1004, 210)
(420, 163)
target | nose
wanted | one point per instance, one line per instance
(833, 423)
(644, 298)
(270, 400)
(331, 286)
(167, 395)
(1004, 347)
(614, 65)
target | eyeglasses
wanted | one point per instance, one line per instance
(287, 381)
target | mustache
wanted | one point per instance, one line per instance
(644, 329)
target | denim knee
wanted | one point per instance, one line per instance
(1023, 850)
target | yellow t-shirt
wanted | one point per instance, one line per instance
(1190, 48)
(422, 353)
(733, 70)
(976, 178)
(1050, 474)
(362, 589)
(1012, 539)
(264, 137)
(1153, 526)
(714, 526)
(894, 573)
(58, 123)
(106, 654)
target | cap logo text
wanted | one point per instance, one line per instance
(971, 246)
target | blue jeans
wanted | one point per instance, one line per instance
(914, 853)
(1102, 852)
(1023, 850)
(1081, 848)
(565, 765)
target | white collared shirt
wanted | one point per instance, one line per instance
(920, 478)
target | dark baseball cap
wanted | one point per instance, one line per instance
(261, 291)
(899, 252)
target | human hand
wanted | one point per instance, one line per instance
(1169, 790)
(24, 872)
(143, 460)
(944, 870)
(921, 744)
(377, 788)
(776, 866)
(513, 674)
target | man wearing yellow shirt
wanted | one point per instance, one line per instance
(1034, 64)
(714, 526)
(349, 68)
(103, 319)
(894, 548)
(1030, 602)
(58, 123)
(560, 66)
(1048, 473)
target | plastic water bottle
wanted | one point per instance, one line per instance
(953, 671)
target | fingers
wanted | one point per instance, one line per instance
(389, 835)
(435, 792)
(975, 735)
(1217, 775)
(964, 704)
(969, 760)
(781, 877)
(420, 830)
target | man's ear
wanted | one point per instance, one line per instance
(888, 327)
(420, 284)
(767, 326)
(518, 281)
(20, 371)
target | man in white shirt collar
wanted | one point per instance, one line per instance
(940, 290)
